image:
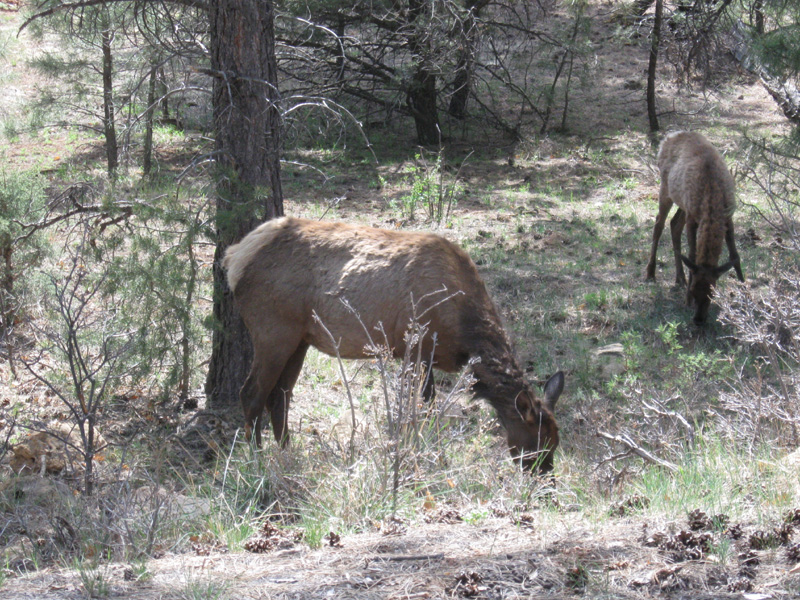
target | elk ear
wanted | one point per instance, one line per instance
(690, 264)
(722, 269)
(553, 389)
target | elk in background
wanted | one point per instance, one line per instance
(695, 178)
(288, 270)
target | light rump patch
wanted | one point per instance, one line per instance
(238, 256)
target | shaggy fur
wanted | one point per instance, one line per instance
(288, 269)
(695, 178)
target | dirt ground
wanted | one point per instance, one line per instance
(497, 558)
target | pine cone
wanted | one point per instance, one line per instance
(720, 521)
(793, 553)
(784, 533)
(735, 532)
(759, 540)
(748, 564)
(740, 584)
(258, 544)
(656, 539)
(792, 516)
(699, 520)
(749, 557)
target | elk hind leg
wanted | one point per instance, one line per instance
(269, 361)
(281, 394)
(429, 386)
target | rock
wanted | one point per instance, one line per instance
(169, 504)
(51, 451)
(34, 490)
(610, 359)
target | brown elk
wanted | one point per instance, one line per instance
(695, 178)
(290, 277)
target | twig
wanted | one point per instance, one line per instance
(637, 450)
(402, 557)
(664, 412)
(336, 343)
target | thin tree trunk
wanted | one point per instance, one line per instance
(162, 93)
(147, 160)
(758, 9)
(462, 82)
(340, 57)
(186, 320)
(8, 306)
(109, 129)
(566, 57)
(655, 41)
(248, 144)
(421, 93)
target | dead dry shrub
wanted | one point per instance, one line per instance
(415, 433)
(762, 404)
(649, 427)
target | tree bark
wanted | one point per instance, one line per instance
(147, 159)
(652, 113)
(109, 128)
(421, 93)
(248, 144)
(462, 82)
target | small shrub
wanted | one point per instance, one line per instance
(431, 190)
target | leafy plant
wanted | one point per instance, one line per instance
(430, 189)
(23, 203)
(89, 346)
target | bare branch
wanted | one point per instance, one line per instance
(638, 450)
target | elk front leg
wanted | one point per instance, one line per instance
(730, 241)
(676, 229)
(664, 204)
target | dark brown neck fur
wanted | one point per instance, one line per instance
(499, 379)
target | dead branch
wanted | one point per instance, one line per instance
(634, 448)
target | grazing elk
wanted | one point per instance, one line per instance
(288, 270)
(694, 177)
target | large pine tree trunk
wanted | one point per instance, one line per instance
(248, 143)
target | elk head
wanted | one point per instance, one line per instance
(533, 438)
(702, 280)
